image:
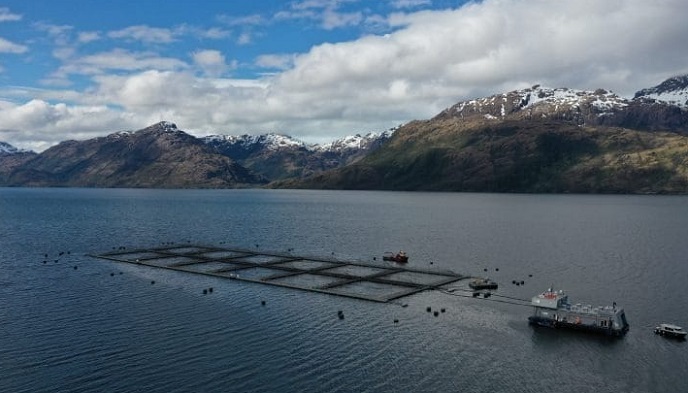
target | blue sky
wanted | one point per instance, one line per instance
(314, 69)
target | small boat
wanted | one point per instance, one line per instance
(482, 283)
(399, 257)
(670, 330)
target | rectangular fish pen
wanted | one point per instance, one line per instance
(360, 280)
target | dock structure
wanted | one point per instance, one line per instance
(360, 280)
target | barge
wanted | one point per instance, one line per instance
(553, 310)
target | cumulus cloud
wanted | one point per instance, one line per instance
(38, 124)
(428, 61)
(212, 62)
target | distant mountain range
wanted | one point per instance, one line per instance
(162, 156)
(531, 140)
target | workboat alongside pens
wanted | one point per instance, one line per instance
(552, 309)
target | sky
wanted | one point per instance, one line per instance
(313, 69)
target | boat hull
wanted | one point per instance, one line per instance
(674, 335)
(551, 323)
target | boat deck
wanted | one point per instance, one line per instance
(360, 280)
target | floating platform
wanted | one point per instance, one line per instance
(360, 280)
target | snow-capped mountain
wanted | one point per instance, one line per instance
(672, 91)
(278, 156)
(7, 149)
(581, 106)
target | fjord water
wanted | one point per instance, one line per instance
(74, 323)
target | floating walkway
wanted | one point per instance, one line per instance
(378, 283)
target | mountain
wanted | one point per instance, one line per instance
(672, 91)
(531, 140)
(277, 156)
(11, 158)
(160, 156)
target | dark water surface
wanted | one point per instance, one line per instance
(104, 327)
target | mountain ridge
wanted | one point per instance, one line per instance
(536, 139)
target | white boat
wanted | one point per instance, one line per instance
(670, 330)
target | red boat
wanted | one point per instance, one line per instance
(399, 257)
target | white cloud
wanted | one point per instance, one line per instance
(212, 62)
(398, 4)
(145, 34)
(430, 61)
(245, 38)
(280, 62)
(119, 59)
(327, 13)
(38, 124)
(10, 47)
(7, 16)
(88, 36)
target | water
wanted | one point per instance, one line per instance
(105, 326)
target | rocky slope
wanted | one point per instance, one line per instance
(158, 156)
(531, 140)
(12, 158)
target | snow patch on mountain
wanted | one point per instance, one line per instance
(7, 149)
(673, 91)
(274, 141)
(269, 141)
(540, 100)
